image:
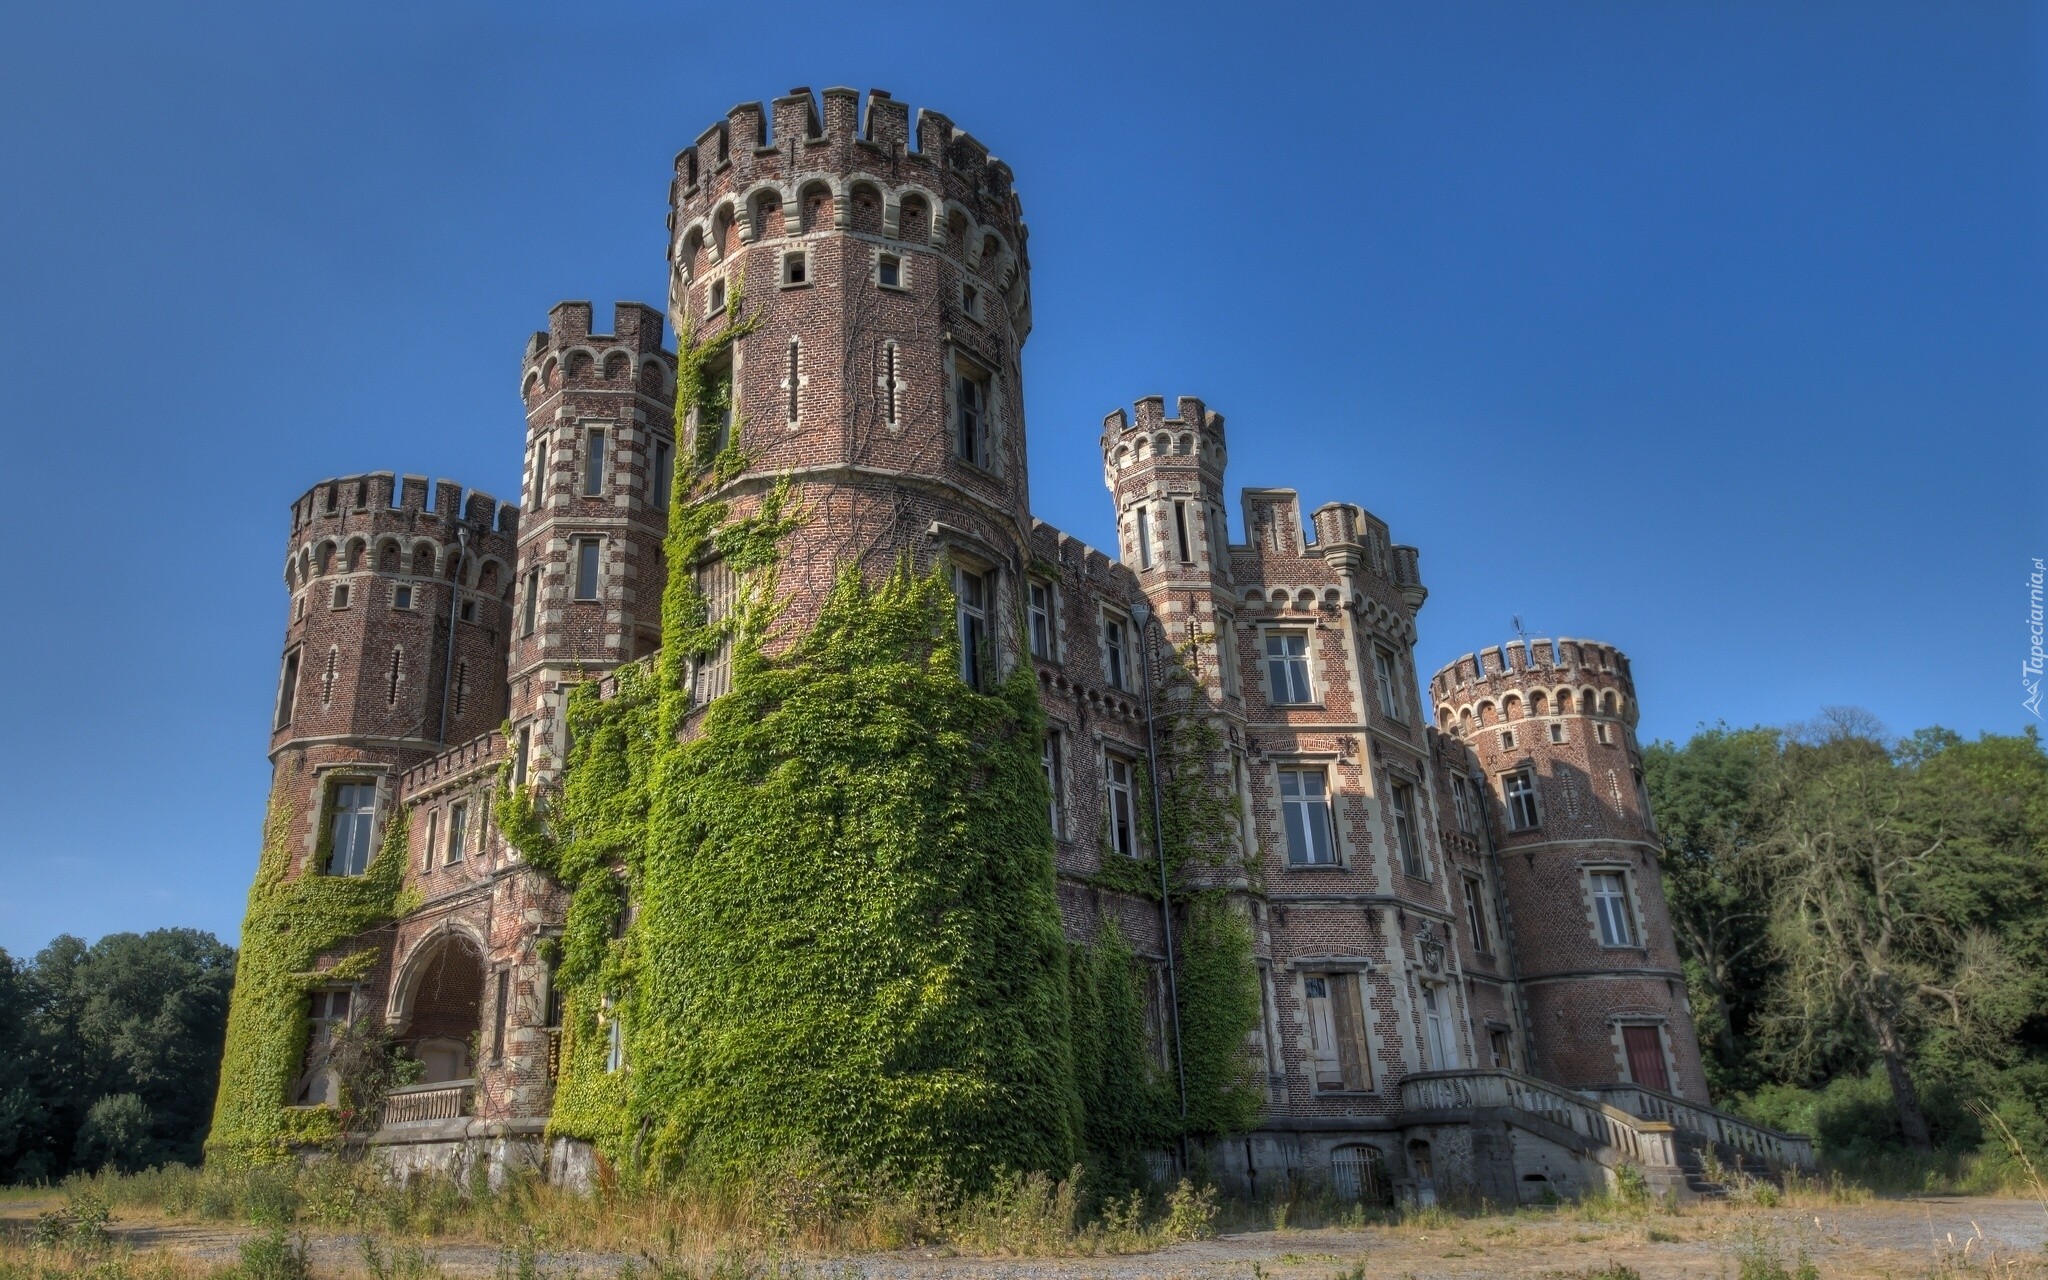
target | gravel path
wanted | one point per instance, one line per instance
(1890, 1239)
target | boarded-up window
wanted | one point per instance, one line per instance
(1336, 1024)
(715, 581)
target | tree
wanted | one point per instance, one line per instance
(1855, 916)
(22, 1118)
(1712, 823)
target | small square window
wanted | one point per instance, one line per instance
(970, 301)
(1556, 732)
(1601, 731)
(469, 611)
(795, 270)
(401, 596)
(340, 597)
(889, 271)
(1507, 739)
(715, 299)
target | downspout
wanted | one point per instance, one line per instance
(454, 609)
(1141, 613)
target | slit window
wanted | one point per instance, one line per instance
(1143, 518)
(392, 678)
(1226, 653)
(586, 568)
(793, 380)
(433, 839)
(498, 1023)
(889, 383)
(1305, 812)
(355, 811)
(461, 685)
(525, 753)
(1050, 757)
(593, 461)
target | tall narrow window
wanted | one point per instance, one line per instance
(716, 299)
(1041, 610)
(433, 839)
(889, 383)
(1436, 1025)
(1401, 802)
(1465, 799)
(355, 810)
(498, 1023)
(1050, 757)
(1123, 805)
(614, 1041)
(1336, 1033)
(664, 473)
(1305, 812)
(391, 680)
(327, 678)
(970, 414)
(1115, 652)
(461, 685)
(1287, 666)
(525, 753)
(1610, 908)
(1383, 675)
(1520, 789)
(971, 591)
(792, 381)
(1475, 914)
(586, 568)
(1180, 532)
(593, 461)
(1226, 653)
(530, 609)
(1144, 522)
(458, 832)
(287, 689)
(718, 408)
(711, 672)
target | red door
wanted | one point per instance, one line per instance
(1645, 1048)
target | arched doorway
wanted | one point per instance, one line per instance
(440, 1002)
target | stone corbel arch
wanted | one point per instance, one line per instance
(398, 1009)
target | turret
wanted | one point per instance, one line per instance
(1550, 725)
(1166, 478)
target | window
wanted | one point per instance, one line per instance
(794, 271)
(889, 271)
(327, 1016)
(461, 686)
(1116, 651)
(498, 1023)
(458, 832)
(327, 677)
(1436, 1026)
(1287, 666)
(793, 381)
(1498, 1041)
(1383, 674)
(1305, 812)
(1610, 908)
(716, 297)
(340, 598)
(1600, 731)
(1050, 756)
(1144, 523)
(519, 761)
(971, 593)
(715, 410)
(1520, 788)
(1507, 739)
(1556, 732)
(1226, 653)
(1465, 799)
(355, 809)
(890, 385)
(433, 839)
(287, 689)
(468, 611)
(531, 607)
(1643, 799)
(1401, 801)
(392, 678)
(1475, 914)
(970, 301)
(711, 676)
(970, 412)
(1180, 532)
(1336, 1033)
(586, 568)
(1123, 805)
(593, 461)
(401, 596)
(614, 1042)
(1041, 619)
(664, 473)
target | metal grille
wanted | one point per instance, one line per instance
(714, 669)
(1359, 1175)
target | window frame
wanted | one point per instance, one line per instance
(529, 615)
(361, 825)
(1383, 669)
(973, 427)
(1116, 657)
(1315, 814)
(1228, 678)
(1403, 810)
(662, 461)
(1122, 832)
(794, 271)
(1052, 758)
(596, 463)
(1302, 663)
(1343, 1009)
(1518, 793)
(589, 570)
(287, 690)
(458, 833)
(1041, 608)
(1614, 910)
(885, 259)
(1475, 913)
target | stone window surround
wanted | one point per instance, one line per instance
(1316, 683)
(1341, 835)
(1631, 884)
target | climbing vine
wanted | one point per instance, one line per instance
(290, 923)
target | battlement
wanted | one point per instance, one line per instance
(1149, 435)
(793, 138)
(385, 501)
(1519, 664)
(569, 353)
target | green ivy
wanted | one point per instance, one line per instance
(291, 922)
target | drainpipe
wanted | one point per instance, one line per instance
(1141, 613)
(454, 609)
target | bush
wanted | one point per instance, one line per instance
(117, 1132)
(275, 1256)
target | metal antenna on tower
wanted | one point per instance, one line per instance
(1520, 634)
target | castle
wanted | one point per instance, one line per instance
(1465, 968)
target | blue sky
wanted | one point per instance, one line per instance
(1712, 330)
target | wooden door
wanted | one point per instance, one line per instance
(1645, 1048)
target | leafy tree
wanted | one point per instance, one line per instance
(118, 1132)
(22, 1118)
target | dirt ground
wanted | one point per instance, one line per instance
(1886, 1240)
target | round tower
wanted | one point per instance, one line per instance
(600, 460)
(1166, 477)
(880, 275)
(376, 674)
(1552, 726)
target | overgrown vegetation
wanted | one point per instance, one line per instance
(1865, 930)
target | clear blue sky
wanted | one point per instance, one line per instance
(1713, 330)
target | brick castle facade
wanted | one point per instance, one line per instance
(1457, 877)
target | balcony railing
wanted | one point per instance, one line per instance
(1781, 1150)
(1615, 1136)
(447, 1100)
